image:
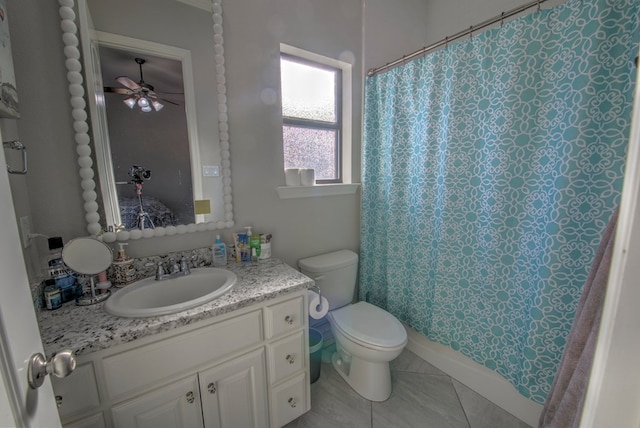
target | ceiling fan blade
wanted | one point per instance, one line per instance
(125, 81)
(168, 101)
(154, 96)
(123, 91)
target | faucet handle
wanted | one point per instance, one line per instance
(159, 271)
(184, 266)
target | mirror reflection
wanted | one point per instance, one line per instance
(148, 139)
(161, 148)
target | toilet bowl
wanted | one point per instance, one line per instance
(367, 337)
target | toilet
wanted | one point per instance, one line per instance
(367, 337)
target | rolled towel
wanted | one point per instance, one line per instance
(318, 307)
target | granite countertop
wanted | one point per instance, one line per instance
(87, 329)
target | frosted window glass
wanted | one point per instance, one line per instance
(308, 92)
(311, 148)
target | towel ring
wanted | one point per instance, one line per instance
(17, 145)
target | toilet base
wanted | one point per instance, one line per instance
(371, 380)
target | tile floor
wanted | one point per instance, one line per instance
(423, 396)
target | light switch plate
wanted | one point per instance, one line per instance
(210, 171)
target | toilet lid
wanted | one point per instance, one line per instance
(367, 323)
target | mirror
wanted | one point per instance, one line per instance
(96, 129)
(88, 256)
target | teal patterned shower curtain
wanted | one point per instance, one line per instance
(490, 170)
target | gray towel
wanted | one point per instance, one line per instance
(563, 407)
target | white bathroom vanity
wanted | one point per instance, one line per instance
(238, 361)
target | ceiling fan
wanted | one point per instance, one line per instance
(140, 93)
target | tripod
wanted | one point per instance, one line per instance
(142, 214)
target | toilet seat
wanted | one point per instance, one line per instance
(369, 326)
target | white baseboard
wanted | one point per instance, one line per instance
(485, 382)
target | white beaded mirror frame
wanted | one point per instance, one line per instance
(83, 137)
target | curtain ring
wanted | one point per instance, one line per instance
(538, 5)
(446, 42)
(502, 19)
(471, 32)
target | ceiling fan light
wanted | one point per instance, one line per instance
(146, 109)
(130, 102)
(143, 102)
(157, 105)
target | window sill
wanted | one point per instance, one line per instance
(291, 192)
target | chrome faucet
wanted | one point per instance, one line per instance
(175, 269)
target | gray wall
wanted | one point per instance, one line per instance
(50, 193)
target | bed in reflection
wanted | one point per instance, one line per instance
(156, 214)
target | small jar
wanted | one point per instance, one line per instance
(52, 297)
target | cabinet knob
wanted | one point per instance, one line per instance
(190, 397)
(288, 319)
(59, 401)
(290, 359)
(292, 402)
(212, 388)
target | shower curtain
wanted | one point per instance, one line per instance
(490, 170)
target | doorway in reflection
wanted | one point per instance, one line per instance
(156, 141)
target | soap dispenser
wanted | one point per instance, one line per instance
(124, 273)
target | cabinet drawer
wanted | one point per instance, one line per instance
(284, 317)
(286, 356)
(289, 400)
(78, 392)
(140, 368)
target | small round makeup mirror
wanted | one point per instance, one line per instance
(88, 256)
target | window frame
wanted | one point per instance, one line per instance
(292, 121)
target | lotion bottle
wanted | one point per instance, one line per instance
(219, 250)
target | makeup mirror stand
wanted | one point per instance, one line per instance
(88, 256)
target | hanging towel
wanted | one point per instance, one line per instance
(563, 407)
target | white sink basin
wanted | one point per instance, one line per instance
(148, 297)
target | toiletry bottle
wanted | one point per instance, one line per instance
(254, 244)
(237, 244)
(55, 266)
(52, 296)
(246, 248)
(124, 272)
(265, 246)
(219, 250)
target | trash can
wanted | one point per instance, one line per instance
(315, 354)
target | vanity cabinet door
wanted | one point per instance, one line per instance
(95, 421)
(77, 393)
(175, 405)
(234, 393)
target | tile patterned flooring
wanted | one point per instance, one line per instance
(422, 396)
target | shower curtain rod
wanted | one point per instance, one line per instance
(498, 18)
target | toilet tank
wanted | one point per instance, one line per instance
(335, 273)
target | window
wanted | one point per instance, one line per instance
(312, 116)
